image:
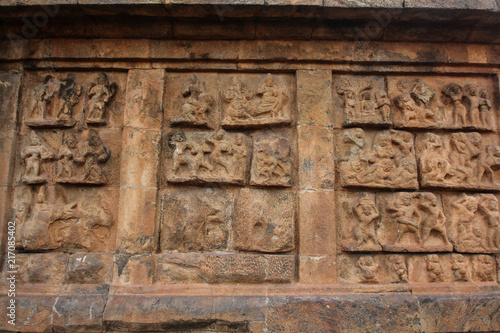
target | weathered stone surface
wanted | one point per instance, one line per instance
(250, 166)
(264, 221)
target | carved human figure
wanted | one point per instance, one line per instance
(408, 107)
(67, 155)
(461, 157)
(355, 137)
(240, 154)
(367, 216)
(433, 219)
(465, 210)
(94, 153)
(179, 144)
(350, 104)
(199, 161)
(398, 265)
(368, 269)
(220, 149)
(198, 102)
(69, 97)
(404, 212)
(434, 269)
(433, 161)
(99, 94)
(485, 268)
(472, 100)
(485, 108)
(43, 95)
(239, 97)
(414, 103)
(459, 266)
(488, 207)
(383, 105)
(33, 155)
(367, 105)
(273, 98)
(455, 93)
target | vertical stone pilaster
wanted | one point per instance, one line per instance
(9, 94)
(317, 238)
(143, 118)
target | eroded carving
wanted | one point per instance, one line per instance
(55, 224)
(34, 155)
(196, 220)
(247, 107)
(399, 268)
(365, 229)
(434, 268)
(363, 104)
(53, 102)
(459, 160)
(484, 267)
(196, 105)
(208, 157)
(271, 163)
(100, 94)
(389, 162)
(368, 268)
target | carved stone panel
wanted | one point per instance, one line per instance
(271, 162)
(443, 102)
(452, 268)
(196, 219)
(256, 100)
(53, 218)
(384, 159)
(264, 221)
(473, 222)
(362, 100)
(205, 157)
(372, 269)
(461, 160)
(70, 157)
(393, 222)
(63, 100)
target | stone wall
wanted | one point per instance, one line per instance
(250, 166)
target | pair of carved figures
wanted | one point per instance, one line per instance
(369, 269)
(242, 103)
(389, 162)
(78, 161)
(464, 161)
(55, 99)
(416, 217)
(362, 104)
(209, 155)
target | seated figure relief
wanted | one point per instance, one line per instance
(208, 157)
(197, 103)
(52, 222)
(265, 105)
(99, 95)
(389, 162)
(459, 160)
(53, 102)
(365, 102)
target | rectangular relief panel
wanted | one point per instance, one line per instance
(228, 210)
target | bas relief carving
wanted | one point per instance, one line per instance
(99, 95)
(365, 101)
(458, 160)
(383, 160)
(267, 104)
(207, 157)
(53, 102)
(34, 156)
(49, 221)
(271, 163)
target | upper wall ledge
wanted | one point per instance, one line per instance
(410, 10)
